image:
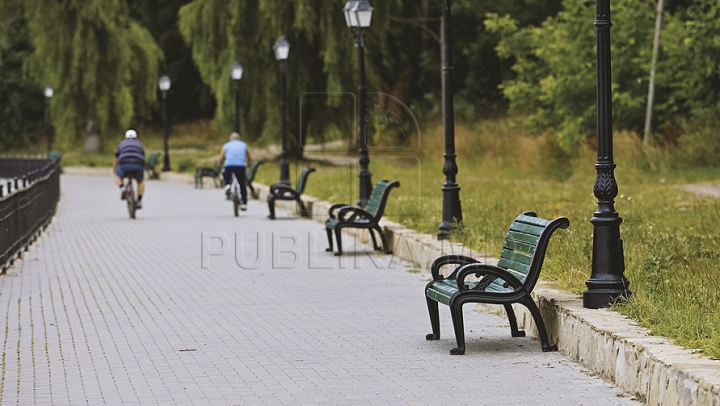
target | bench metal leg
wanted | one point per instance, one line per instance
(271, 207)
(303, 210)
(374, 240)
(253, 193)
(458, 324)
(388, 249)
(330, 242)
(338, 239)
(434, 319)
(542, 332)
(513, 322)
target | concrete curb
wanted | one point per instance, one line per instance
(609, 344)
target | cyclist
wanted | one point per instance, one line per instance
(130, 159)
(235, 157)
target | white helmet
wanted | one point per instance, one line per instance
(130, 134)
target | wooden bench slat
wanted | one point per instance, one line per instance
(527, 228)
(520, 246)
(533, 220)
(514, 266)
(530, 239)
(516, 257)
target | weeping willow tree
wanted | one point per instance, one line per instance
(318, 70)
(103, 66)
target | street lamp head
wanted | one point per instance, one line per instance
(49, 91)
(282, 49)
(236, 71)
(350, 17)
(164, 83)
(363, 13)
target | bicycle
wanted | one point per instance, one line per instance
(130, 197)
(235, 194)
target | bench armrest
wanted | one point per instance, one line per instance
(447, 260)
(494, 271)
(280, 188)
(354, 212)
(335, 207)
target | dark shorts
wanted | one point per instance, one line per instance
(137, 171)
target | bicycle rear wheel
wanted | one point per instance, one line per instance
(130, 198)
(235, 195)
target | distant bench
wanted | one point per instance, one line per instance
(250, 176)
(281, 191)
(349, 216)
(511, 281)
(150, 164)
(212, 172)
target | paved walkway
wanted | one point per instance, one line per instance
(188, 305)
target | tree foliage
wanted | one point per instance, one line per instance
(102, 65)
(555, 68)
(691, 66)
(21, 102)
(221, 32)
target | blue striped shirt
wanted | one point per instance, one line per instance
(130, 151)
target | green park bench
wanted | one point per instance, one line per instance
(510, 281)
(280, 191)
(250, 176)
(54, 155)
(349, 216)
(150, 163)
(212, 172)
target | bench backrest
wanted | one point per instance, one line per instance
(525, 245)
(302, 179)
(152, 159)
(378, 197)
(250, 174)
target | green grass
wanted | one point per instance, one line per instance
(671, 237)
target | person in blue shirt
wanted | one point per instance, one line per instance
(130, 158)
(235, 158)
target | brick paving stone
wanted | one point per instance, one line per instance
(190, 305)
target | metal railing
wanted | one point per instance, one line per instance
(29, 194)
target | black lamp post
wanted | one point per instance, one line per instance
(282, 49)
(236, 74)
(358, 15)
(48, 95)
(451, 209)
(164, 85)
(607, 281)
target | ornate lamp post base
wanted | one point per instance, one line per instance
(607, 283)
(452, 212)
